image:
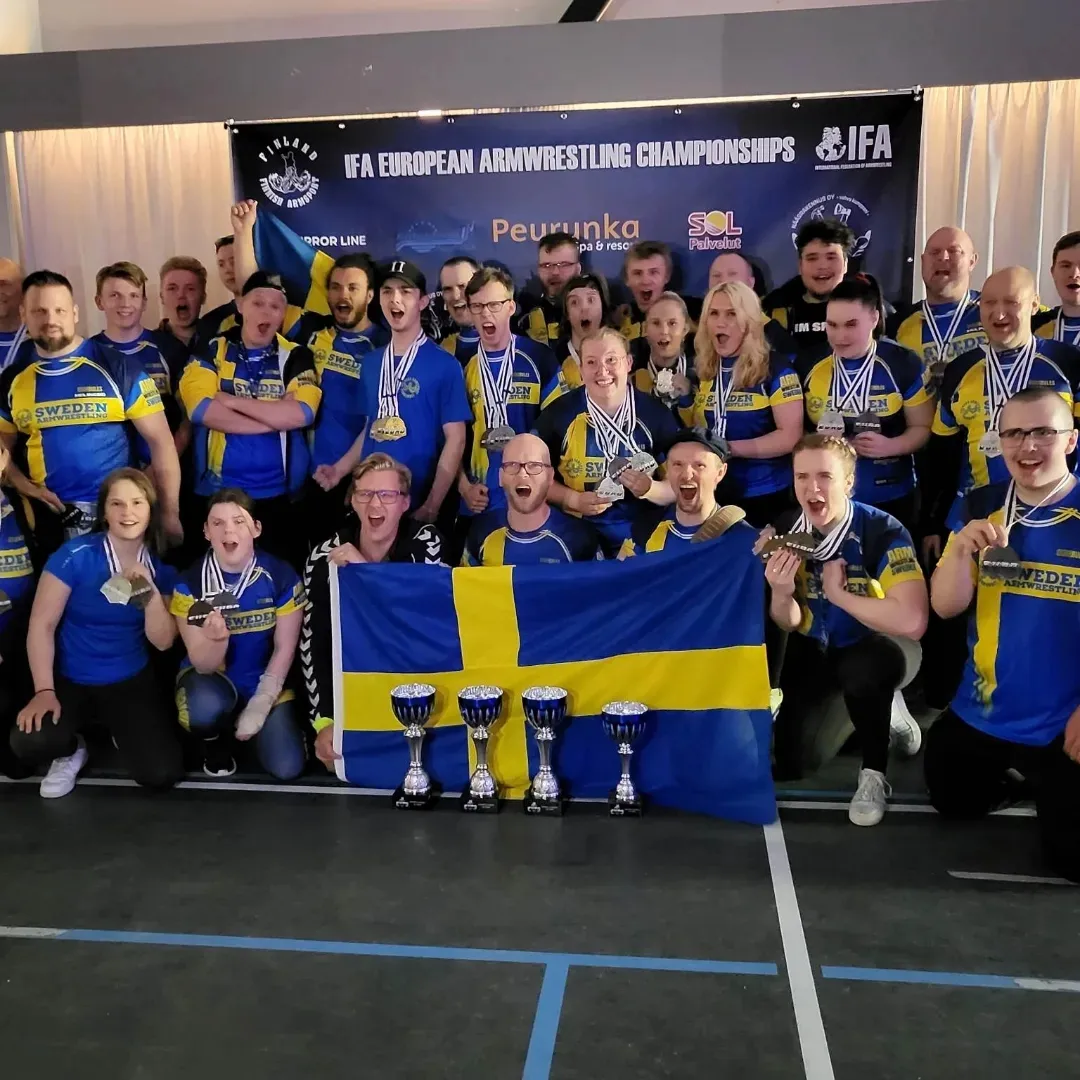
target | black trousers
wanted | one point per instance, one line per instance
(134, 713)
(762, 510)
(866, 674)
(16, 686)
(903, 509)
(965, 774)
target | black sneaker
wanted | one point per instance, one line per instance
(217, 758)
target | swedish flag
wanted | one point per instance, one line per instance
(303, 268)
(682, 633)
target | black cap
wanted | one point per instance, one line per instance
(717, 445)
(262, 279)
(406, 271)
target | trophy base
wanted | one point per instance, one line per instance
(401, 801)
(547, 807)
(617, 808)
(479, 804)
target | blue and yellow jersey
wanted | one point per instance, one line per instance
(71, 411)
(908, 327)
(534, 368)
(579, 461)
(274, 591)
(1021, 681)
(631, 321)
(660, 531)
(98, 642)
(16, 570)
(225, 318)
(338, 358)
(561, 539)
(1046, 325)
(432, 395)
(461, 343)
(963, 406)
(749, 416)
(567, 374)
(898, 380)
(265, 465)
(879, 553)
(541, 320)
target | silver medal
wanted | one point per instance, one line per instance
(990, 444)
(617, 466)
(117, 590)
(643, 462)
(1001, 564)
(831, 423)
(610, 490)
(496, 438)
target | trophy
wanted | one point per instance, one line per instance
(413, 704)
(624, 721)
(480, 708)
(545, 708)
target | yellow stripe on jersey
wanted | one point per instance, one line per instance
(659, 536)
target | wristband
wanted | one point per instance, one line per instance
(320, 723)
(47, 690)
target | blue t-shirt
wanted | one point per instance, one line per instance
(661, 531)
(433, 394)
(98, 642)
(561, 539)
(16, 571)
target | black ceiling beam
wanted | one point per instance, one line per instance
(584, 11)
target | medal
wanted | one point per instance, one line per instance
(225, 602)
(617, 466)
(803, 544)
(495, 387)
(1001, 564)
(122, 589)
(72, 517)
(990, 444)
(665, 383)
(141, 592)
(5, 603)
(497, 438)
(643, 462)
(998, 387)
(831, 423)
(849, 395)
(610, 490)
(719, 399)
(866, 421)
(199, 612)
(943, 341)
(117, 590)
(388, 429)
(216, 595)
(388, 425)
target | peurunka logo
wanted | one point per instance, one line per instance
(291, 184)
(843, 208)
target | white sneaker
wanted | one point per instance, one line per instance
(905, 735)
(63, 772)
(868, 806)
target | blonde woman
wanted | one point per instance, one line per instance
(748, 395)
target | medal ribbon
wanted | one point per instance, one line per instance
(1014, 517)
(495, 388)
(245, 359)
(943, 341)
(1059, 332)
(850, 390)
(213, 577)
(115, 569)
(832, 543)
(718, 399)
(999, 386)
(617, 431)
(391, 377)
(13, 348)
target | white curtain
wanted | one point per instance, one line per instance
(1003, 162)
(91, 197)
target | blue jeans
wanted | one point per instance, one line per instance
(209, 704)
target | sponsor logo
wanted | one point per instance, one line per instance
(606, 234)
(861, 146)
(713, 230)
(970, 410)
(290, 183)
(844, 208)
(571, 468)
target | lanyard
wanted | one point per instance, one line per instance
(614, 432)
(1059, 330)
(999, 386)
(849, 391)
(13, 347)
(835, 540)
(943, 341)
(392, 376)
(113, 559)
(718, 399)
(1014, 517)
(495, 387)
(213, 577)
(249, 367)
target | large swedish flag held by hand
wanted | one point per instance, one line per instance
(682, 633)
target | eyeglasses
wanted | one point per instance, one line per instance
(532, 468)
(556, 266)
(1040, 436)
(385, 497)
(492, 307)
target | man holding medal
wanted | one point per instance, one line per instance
(1017, 559)
(606, 440)
(239, 612)
(413, 397)
(1063, 322)
(847, 579)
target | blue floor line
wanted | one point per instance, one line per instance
(545, 1029)
(418, 952)
(947, 978)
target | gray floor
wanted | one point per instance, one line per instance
(298, 869)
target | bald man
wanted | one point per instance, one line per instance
(946, 323)
(528, 530)
(12, 331)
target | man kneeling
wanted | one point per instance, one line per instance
(1018, 705)
(239, 611)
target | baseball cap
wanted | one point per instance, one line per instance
(717, 445)
(405, 271)
(263, 279)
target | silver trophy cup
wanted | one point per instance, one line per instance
(413, 704)
(624, 721)
(545, 709)
(481, 707)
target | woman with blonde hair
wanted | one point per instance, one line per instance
(748, 395)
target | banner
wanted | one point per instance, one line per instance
(644, 629)
(703, 178)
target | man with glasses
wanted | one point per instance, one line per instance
(527, 530)
(558, 260)
(1017, 559)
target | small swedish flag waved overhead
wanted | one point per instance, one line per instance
(682, 633)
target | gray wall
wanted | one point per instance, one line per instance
(889, 46)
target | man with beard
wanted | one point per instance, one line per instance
(526, 530)
(182, 283)
(798, 305)
(251, 397)
(68, 400)
(413, 397)
(647, 271)
(12, 331)
(945, 324)
(460, 337)
(586, 307)
(558, 260)
(1063, 322)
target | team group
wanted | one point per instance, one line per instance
(257, 444)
